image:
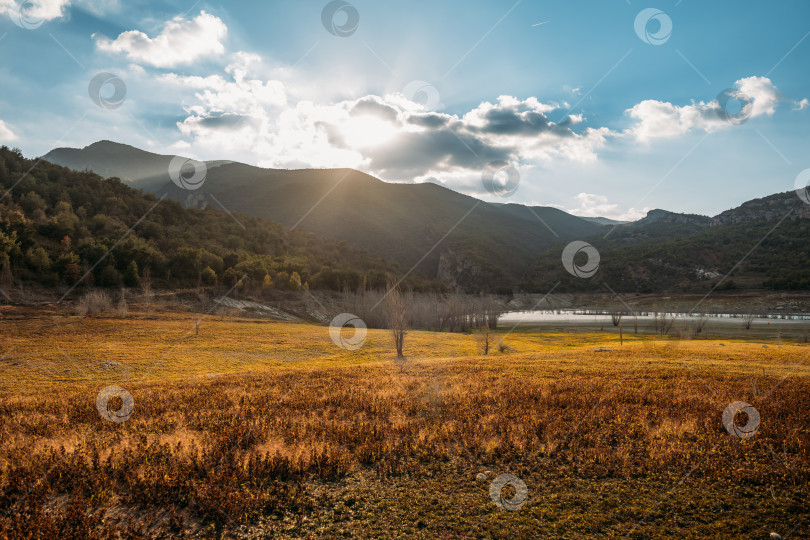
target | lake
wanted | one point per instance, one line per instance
(765, 326)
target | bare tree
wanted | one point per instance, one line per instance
(749, 319)
(485, 337)
(616, 318)
(663, 323)
(700, 325)
(122, 308)
(146, 288)
(397, 314)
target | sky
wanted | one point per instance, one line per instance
(601, 108)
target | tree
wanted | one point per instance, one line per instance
(283, 280)
(109, 276)
(68, 267)
(397, 315)
(146, 289)
(485, 337)
(6, 279)
(295, 281)
(123, 308)
(131, 277)
(186, 263)
(230, 277)
(37, 259)
(208, 276)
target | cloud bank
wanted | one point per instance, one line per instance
(181, 41)
(661, 120)
(37, 10)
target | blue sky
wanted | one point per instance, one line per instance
(597, 118)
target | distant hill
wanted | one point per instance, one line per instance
(764, 243)
(108, 159)
(603, 220)
(469, 244)
(552, 219)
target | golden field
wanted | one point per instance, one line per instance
(249, 428)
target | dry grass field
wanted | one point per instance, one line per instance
(254, 429)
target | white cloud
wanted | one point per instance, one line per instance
(659, 119)
(593, 205)
(181, 41)
(801, 105)
(6, 135)
(390, 136)
(244, 113)
(36, 10)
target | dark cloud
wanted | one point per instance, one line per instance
(225, 121)
(428, 120)
(511, 122)
(412, 154)
(333, 134)
(370, 105)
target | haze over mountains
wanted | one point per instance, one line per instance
(466, 243)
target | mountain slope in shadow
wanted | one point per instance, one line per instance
(467, 243)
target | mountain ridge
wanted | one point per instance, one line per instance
(474, 246)
(411, 224)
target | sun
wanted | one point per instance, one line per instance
(367, 131)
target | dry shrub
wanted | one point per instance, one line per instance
(93, 302)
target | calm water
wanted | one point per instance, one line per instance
(788, 326)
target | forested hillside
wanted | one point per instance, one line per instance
(764, 249)
(60, 227)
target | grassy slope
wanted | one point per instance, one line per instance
(603, 440)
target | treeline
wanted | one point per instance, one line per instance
(427, 311)
(60, 228)
(761, 256)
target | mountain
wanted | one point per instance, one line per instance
(108, 159)
(764, 243)
(68, 229)
(603, 220)
(468, 243)
(552, 219)
(769, 208)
